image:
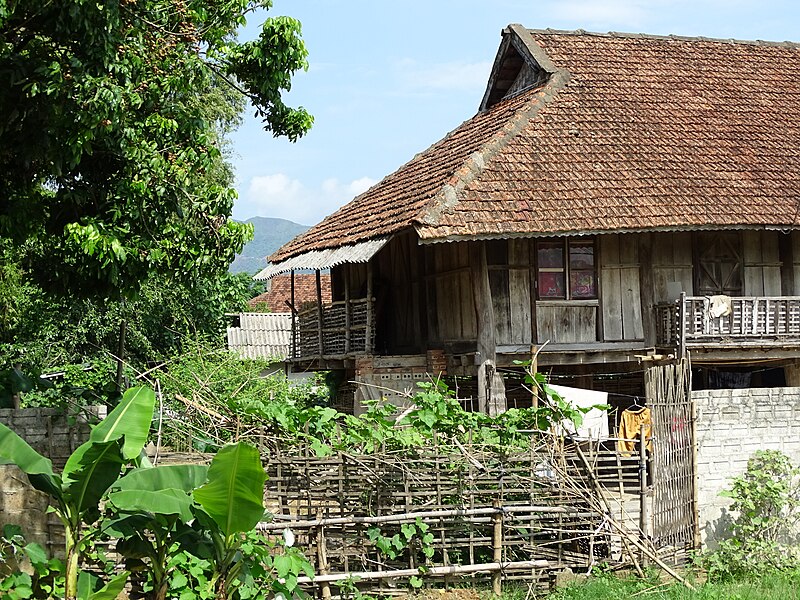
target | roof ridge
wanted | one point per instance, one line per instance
(651, 36)
(447, 197)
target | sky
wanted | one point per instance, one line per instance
(388, 79)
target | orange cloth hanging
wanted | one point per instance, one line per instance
(630, 423)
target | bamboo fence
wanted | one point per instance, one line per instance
(494, 516)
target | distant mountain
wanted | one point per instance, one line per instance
(269, 235)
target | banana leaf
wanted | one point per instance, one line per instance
(89, 472)
(131, 418)
(234, 494)
(165, 502)
(14, 450)
(181, 477)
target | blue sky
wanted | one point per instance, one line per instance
(388, 79)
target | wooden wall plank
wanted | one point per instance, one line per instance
(610, 287)
(672, 265)
(498, 282)
(796, 262)
(566, 323)
(770, 254)
(753, 270)
(519, 291)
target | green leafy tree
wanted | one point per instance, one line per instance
(111, 163)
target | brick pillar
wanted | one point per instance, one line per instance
(437, 362)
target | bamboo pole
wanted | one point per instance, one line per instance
(497, 548)
(431, 571)
(322, 563)
(412, 516)
(643, 520)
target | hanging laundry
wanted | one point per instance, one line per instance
(630, 423)
(595, 422)
(720, 306)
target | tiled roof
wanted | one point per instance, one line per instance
(629, 133)
(305, 290)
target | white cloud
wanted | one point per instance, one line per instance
(449, 76)
(280, 196)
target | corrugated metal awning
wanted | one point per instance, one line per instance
(262, 335)
(325, 259)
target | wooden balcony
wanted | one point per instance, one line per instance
(337, 330)
(722, 322)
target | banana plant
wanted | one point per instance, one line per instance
(230, 503)
(89, 472)
(150, 509)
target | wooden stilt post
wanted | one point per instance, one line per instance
(491, 390)
(294, 318)
(320, 316)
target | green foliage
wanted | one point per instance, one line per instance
(227, 395)
(411, 537)
(43, 577)
(766, 499)
(610, 586)
(111, 160)
(80, 337)
(89, 471)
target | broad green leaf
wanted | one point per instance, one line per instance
(89, 472)
(14, 450)
(283, 565)
(131, 419)
(36, 554)
(166, 502)
(134, 547)
(180, 477)
(112, 589)
(234, 494)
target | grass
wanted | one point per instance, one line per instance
(778, 586)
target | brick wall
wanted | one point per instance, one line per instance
(731, 426)
(51, 433)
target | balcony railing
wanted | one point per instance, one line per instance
(338, 329)
(723, 320)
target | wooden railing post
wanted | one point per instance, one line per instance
(682, 325)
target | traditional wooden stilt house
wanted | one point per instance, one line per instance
(615, 196)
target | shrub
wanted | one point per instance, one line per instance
(766, 498)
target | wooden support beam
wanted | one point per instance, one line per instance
(368, 346)
(491, 390)
(319, 315)
(347, 319)
(294, 317)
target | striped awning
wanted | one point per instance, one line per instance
(325, 259)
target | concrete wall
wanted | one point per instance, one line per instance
(51, 433)
(731, 426)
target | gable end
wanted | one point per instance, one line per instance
(520, 65)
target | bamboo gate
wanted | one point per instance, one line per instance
(674, 505)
